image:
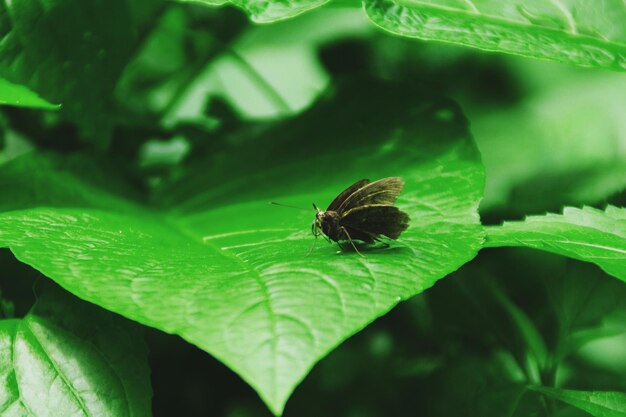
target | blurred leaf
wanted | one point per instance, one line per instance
(181, 44)
(476, 386)
(568, 146)
(70, 52)
(582, 297)
(262, 82)
(13, 146)
(267, 11)
(607, 354)
(228, 272)
(59, 361)
(210, 2)
(7, 307)
(586, 33)
(486, 307)
(37, 179)
(18, 95)
(529, 333)
(470, 327)
(596, 403)
(586, 234)
(583, 337)
(552, 306)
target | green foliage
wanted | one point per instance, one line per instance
(267, 11)
(147, 194)
(458, 349)
(580, 33)
(65, 51)
(596, 403)
(586, 234)
(18, 95)
(60, 360)
(221, 238)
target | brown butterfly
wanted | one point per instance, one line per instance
(363, 211)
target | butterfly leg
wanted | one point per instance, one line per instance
(350, 240)
(382, 241)
(312, 246)
(343, 248)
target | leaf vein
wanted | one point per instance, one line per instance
(60, 375)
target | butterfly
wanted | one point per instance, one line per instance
(364, 211)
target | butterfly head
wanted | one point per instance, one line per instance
(316, 227)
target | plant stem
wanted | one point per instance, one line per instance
(270, 92)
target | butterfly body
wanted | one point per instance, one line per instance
(364, 211)
(329, 223)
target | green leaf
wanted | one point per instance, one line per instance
(228, 272)
(585, 234)
(583, 298)
(268, 11)
(70, 52)
(71, 181)
(59, 360)
(209, 2)
(18, 95)
(477, 386)
(589, 34)
(527, 329)
(596, 403)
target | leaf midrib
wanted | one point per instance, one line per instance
(26, 326)
(164, 220)
(17, 382)
(267, 300)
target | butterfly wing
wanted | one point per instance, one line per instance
(376, 219)
(384, 192)
(346, 193)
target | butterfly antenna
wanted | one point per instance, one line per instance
(287, 205)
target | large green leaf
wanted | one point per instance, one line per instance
(586, 234)
(586, 33)
(596, 403)
(70, 52)
(59, 361)
(228, 272)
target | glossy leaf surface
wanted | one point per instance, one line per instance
(590, 34)
(596, 403)
(586, 234)
(60, 360)
(227, 271)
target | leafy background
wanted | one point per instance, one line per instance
(136, 167)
